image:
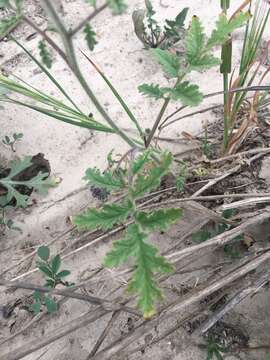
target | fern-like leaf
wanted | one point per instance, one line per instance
(139, 163)
(195, 40)
(103, 219)
(90, 36)
(224, 27)
(158, 220)
(147, 263)
(45, 54)
(187, 93)
(145, 183)
(106, 180)
(152, 91)
(169, 62)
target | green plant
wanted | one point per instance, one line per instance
(10, 22)
(10, 185)
(8, 141)
(143, 176)
(50, 269)
(214, 350)
(153, 35)
(181, 177)
(198, 57)
(220, 228)
(206, 144)
(250, 66)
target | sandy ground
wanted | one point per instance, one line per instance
(71, 150)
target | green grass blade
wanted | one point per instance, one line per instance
(50, 76)
(92, 125)
(117, 95)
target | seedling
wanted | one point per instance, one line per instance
(181, 178)
(152, 34)
(143, 176)
(220, 228)
(50, 269)
(12, 141)
(214, 350)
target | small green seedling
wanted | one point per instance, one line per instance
(214, 350)
(12, 141)
(220, 228)
(152, 34)
(143, 176)
(182, 176)
(50, 269)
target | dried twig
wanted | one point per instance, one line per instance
(224, 238)
(106, 304)
(240, 296)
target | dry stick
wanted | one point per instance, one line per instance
(207, 198)
(216, 180)
(103, 335)
(67, 293)
(188, 300)
(224, 238)
(240, 154)
(244, 203)
(240, 296)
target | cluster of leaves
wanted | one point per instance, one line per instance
(214, 350)
(197, 57)
(50, 268)
(153, 35)
(9, 22)
(143, 176)
(220, 228)
(41, 183)
(45, 54)
(11, 141)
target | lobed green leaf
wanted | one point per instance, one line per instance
(169, 62)
(224, 27)
(187, 93)
(105, 180)
(158, 220)
(105, 218)
(145, 183)
(152, 91)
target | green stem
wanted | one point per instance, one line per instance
(159, 117)
(162, 112)
(226, 115)
(71, 58)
